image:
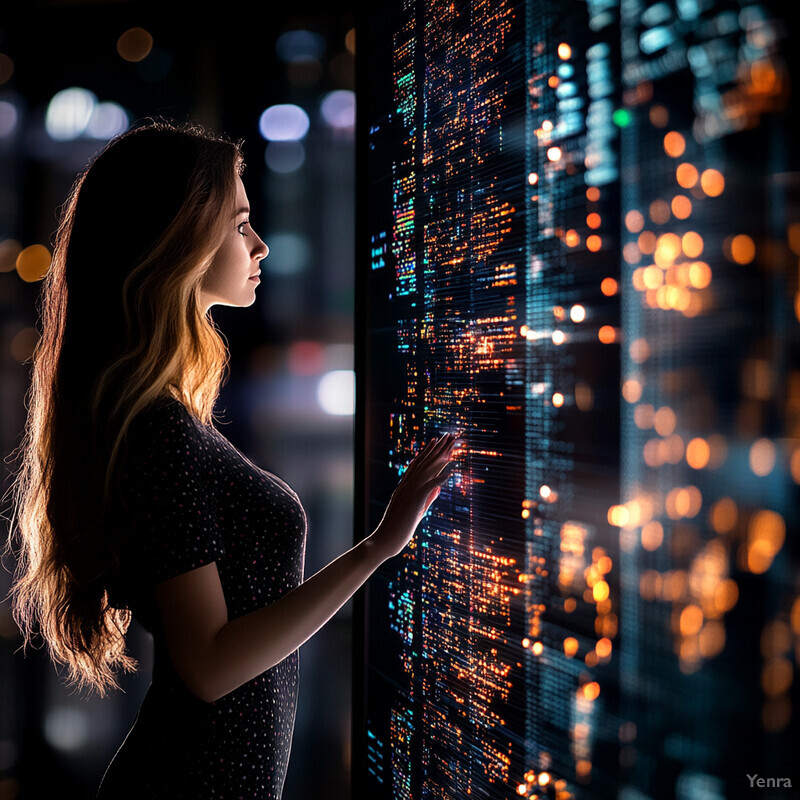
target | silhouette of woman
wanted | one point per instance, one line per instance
(128, 502)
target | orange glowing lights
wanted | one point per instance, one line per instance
(571, 238)
(691, 620)
(564, 51)
(603, 647)
(726, 595)
(742, 249)
(652, 277)
(609, 287)
(544, 778)
(712, 639)
(593, 220)
(776, 677)
(553, 81)
(681, 206)
(607, 334)
(683, 501)
(652, 535)
(558, 400)
(659, 116)
(537, 649)
(762, 457)
(634, 221)
(632, 390)
(600, 591)
(592, 194)
(697, 453)
(699, 274)
(522, 789)
(647, 242)
(723, 515)
(594, 243)
(570, 647)
(692, 244)
(631, 254)
(659, 212)
(577, 313)
(618, 516)
(33, 263)
(553, 153)
(533, 178)
(135, 44)
(687, 175)
(668, 248)
(639, 350)
(674, 144)
(712, 182)
(766, 533)
(591, 691)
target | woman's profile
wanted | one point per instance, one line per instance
(128, 502)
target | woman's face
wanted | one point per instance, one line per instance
(231, 279)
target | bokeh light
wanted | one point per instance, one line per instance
(338, 109)
(740, 249)
(283, 122)
(69, 112)
(712, 182)
(33, 263)
(674, 144)
(298, 45)
(8, 118)
(135, 44)
(285, 157)
(107, 120)
(687, 175)
(336, 392)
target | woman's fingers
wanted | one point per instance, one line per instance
(429, 458)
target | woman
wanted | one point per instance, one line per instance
(128, 500)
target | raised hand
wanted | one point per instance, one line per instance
(418, 488)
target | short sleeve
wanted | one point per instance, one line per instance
(168, 482)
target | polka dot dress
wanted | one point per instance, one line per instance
(197, 499)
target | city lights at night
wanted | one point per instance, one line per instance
(591, 270)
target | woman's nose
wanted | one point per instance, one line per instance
(262, 251)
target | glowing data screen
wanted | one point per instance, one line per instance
(583, 241)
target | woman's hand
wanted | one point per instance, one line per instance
(418, 488)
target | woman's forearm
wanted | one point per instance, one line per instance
(248, 645)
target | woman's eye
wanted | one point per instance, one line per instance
(241, 225)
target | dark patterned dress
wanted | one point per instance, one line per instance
(198, 499)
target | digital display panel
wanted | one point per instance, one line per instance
(583, 241)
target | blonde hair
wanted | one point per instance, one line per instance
(121, 324)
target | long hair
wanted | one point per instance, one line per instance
(122, 324)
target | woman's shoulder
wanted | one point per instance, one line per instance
(164, 409)
(165, 424)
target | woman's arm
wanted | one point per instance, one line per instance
(214, 656)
